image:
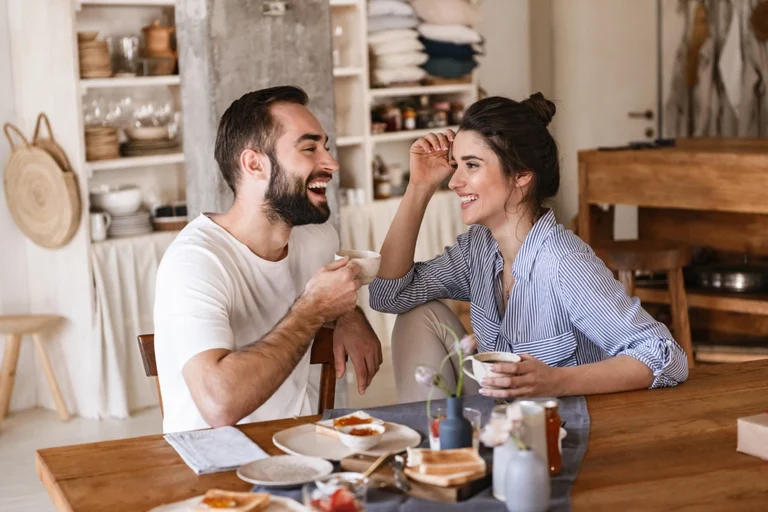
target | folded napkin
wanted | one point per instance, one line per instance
(215, 450)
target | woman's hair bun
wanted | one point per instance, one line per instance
(544, 109)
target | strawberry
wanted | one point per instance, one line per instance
(343, 501)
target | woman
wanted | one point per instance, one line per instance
(535, 288)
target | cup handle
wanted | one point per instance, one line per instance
(469, 373)
(107, 219)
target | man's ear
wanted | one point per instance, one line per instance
(255, 164)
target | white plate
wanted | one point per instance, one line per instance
(168, 220)
(285, 471)
(304, 440)
(276, 504)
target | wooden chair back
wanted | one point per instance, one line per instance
(322, 353)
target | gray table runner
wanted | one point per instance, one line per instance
(573, 410)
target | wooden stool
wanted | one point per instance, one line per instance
(626, 257)
(15, 327)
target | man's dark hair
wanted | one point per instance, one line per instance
(249, 124)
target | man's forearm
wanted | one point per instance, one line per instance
(249, 376)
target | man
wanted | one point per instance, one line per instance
(241, 294)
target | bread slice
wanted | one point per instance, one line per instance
(444, 480)
(328, 427)
(445, 462)
(230, 501)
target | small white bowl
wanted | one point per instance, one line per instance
(369, 262)
(119, 200)
(361, 443)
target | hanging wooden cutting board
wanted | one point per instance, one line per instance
(43, 198)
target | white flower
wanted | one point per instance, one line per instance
(514, 413)
(495, 432)
(425, 376)
(467, 345)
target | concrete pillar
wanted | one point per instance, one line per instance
(227, 48)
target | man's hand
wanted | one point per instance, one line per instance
(333, 289)
(354, 336)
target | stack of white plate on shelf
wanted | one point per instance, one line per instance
(133, 224)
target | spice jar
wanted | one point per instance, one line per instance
(552, 418)
(441, 116)
(409, 119)
(393, 119)
(424, 115)
(457, 113)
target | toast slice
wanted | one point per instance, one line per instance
(230, 501)
(445, 462)
(444, 480)
(328, 427)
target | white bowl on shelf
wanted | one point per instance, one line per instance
(147, 132)
(117, 200)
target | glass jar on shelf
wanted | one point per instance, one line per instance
(424, 117)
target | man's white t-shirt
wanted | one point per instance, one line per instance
(212, 292)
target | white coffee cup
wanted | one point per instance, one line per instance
(368, 261)
(483, 362)
(100, 222)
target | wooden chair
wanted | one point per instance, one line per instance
(322, 353)
(626, 257)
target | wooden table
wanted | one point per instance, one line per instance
(665, 449)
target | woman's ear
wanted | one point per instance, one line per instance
(523, 178)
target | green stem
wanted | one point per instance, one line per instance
(442, 364)
(460, 382)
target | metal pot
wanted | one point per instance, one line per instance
(739, 277)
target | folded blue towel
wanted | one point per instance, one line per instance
(448, 50)
(445, 67)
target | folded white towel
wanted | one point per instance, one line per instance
(215, 450)
(397, 46)
(392, 35)
(405, 74)
(400, 60)
(389, 8)
(457, 34)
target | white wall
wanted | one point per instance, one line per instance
(590, 97)
(14, 288)
(505, 70)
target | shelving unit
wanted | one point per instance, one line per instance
(355, 97)
(160, 176)
(126, 3)
(136, 81)
(135, 161)
(409, 135)
(423, 89)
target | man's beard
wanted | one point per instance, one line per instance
(288, 201)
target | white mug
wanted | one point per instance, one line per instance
(369, 262)
(483, 362)
(100, 222)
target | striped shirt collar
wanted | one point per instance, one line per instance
(523, 266)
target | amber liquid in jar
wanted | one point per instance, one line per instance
(552, 419)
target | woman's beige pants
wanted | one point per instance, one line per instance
(420, 338)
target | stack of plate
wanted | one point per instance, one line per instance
(95, 60)
(138, 223)
(148, 147)
(101, 143)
